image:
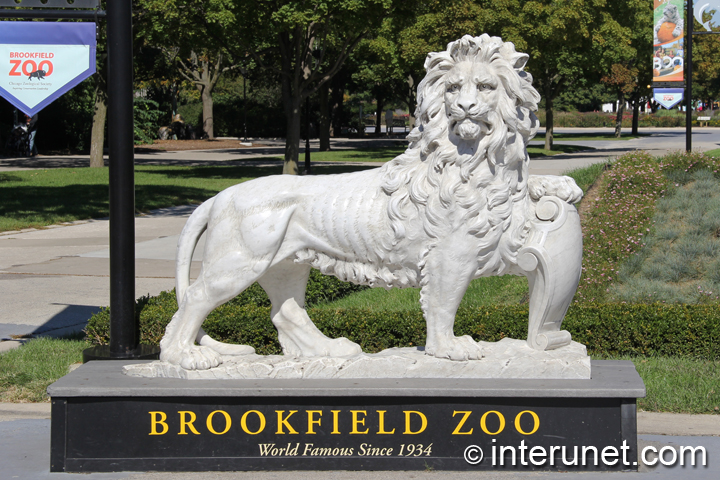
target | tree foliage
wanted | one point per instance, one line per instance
(304, 42)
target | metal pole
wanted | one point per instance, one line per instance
(689, 19)
(307, 136)
(124, 331)
(244, 111)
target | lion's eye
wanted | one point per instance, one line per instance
(484, 86)
(453, 88)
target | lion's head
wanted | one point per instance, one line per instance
(467, 153)
(476, 84)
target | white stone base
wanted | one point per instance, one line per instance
(507, 358)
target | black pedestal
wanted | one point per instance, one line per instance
(105, 421)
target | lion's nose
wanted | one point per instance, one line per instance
(466, 103)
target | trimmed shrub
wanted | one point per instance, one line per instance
(606, 329)
(662, 118)
(154, 313)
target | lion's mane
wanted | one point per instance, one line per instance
(432, 180)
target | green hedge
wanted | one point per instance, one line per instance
(602, 119)
(606, 329)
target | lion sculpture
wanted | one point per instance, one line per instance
(457, 205)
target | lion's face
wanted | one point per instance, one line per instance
(471, 94)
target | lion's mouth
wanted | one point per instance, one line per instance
(470, 128)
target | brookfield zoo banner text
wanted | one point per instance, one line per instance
(43, 60)
(669, 30)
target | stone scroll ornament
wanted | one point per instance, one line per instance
(459, 204)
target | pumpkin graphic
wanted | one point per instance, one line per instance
(665, 34)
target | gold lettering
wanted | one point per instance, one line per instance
(284, 421)
(228, 422)
(243, 422)
(462, 422)
(483, 424)
(381, 421)
(312, 421)
(187, 423)
(536, 422)
(154, 422)
(335, 422)
(357, 421)
(408, 430)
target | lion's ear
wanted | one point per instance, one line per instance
(516, 59)
(520, 61)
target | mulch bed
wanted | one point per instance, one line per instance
(177, 145)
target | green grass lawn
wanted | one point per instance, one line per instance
(38, 198)
(586, 177)
(558, 148)
(482, 291)
(26, 372)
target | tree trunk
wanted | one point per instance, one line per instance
(207, 107)
(549, 121)
(97, 139)
(636, 116)
(411, 101)
(378, 115)
(324, 131)
(292, 139)
(618, 118)
(337, 92)
(337, 112)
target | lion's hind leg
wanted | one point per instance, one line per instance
(285, 285)
(218, 282)
(202, 338)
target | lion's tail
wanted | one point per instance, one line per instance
(194, 228)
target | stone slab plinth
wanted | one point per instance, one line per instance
(507, 358)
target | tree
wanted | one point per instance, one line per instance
(630, 72)
(203, 70)
(97, 137)
(566, 39)
(191, 33)
(305, 42)
(706, 67)
(623, 79)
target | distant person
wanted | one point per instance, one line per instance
(680, 52)
(31, 123)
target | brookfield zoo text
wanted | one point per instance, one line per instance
(406, 423)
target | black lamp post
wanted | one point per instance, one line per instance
(307, 136)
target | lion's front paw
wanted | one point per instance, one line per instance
(195, 357)
(562, 187)
(455, 348)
